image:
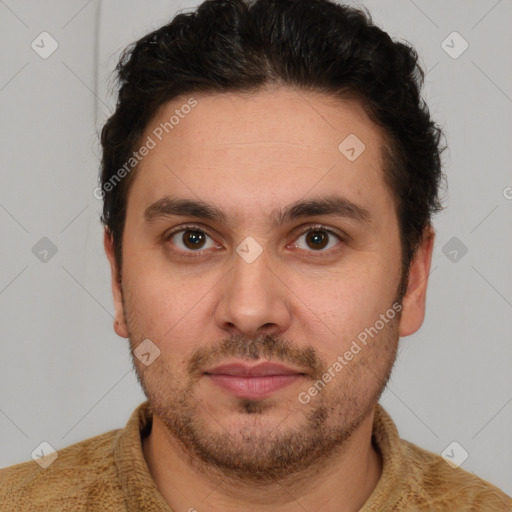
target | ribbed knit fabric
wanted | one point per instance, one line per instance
(108, 473)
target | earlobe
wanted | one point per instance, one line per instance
(119, 321)
(414, 301)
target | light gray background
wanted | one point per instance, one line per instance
(65, 375)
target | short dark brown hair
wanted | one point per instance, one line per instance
(313, 45)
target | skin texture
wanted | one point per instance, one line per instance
(296, 304)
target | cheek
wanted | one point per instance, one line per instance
(168, 307)
(150, 308)
(344, 304)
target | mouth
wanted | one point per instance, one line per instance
(253, 382)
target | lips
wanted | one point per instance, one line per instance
(253, 382)
(260, 370)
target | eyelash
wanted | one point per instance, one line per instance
(195, 254)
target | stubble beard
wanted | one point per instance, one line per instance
(257, 452)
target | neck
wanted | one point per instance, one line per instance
(340, 482)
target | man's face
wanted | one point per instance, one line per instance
(254, 286)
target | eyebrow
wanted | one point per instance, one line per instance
(330, 205)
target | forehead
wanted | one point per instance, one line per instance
(262, 149)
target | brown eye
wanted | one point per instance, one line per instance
(318, 239)
(191, 240)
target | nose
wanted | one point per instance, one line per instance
(253, 300)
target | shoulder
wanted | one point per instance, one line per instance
(445, 487)
(82, 475)
(417, 480)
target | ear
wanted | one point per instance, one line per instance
(414, 301)
(119, 321)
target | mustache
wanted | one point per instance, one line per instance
(265, 346)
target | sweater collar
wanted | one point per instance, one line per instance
(141, 492)
(139, 488)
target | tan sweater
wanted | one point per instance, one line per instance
(108, 473)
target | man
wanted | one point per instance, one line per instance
(269, 177)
